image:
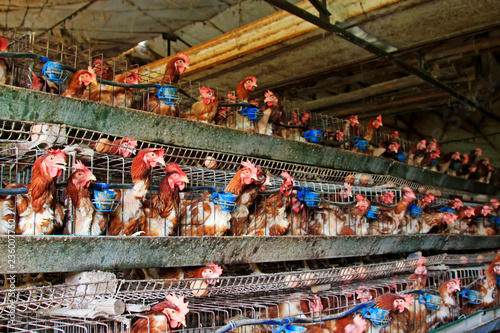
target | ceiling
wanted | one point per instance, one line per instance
(454, 41)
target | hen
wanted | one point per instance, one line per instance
(79, 82)
(163, 316)
(103, 69)
(272, 215)
(82, 219)
(41, 83)
(243, 91)
(487, 287)
(473, 155)
(38, 211)
(448, 310)
(450, 163)
(430, 221)
(416, 153)
(117, 96)
(419, 276)
(299, 224)
(272, 105)
(175, 66)
(461, 224)
(411, 222)
(205, 109)
(355, 324)
(209, 273)
(5, 73)
(372, 126)
(239, 218)
(162, 209)
(391, 219)
(329, 220)
(356, 219)
(129, 215)
(202, 217)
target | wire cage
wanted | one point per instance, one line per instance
(233, 299)
(110, 159)
(44, 324)
(105, 288)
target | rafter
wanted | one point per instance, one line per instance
(333, 28)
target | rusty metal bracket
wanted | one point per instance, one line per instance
(333, 28)
(320, 6)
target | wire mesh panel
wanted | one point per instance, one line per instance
(35, 323)
(319, 205)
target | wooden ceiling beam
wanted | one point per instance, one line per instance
(273, 29)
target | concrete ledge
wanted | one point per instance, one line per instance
(73, 253)
(27, 105)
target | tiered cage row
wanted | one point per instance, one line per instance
(234, 299)
(331, 197)
(34, 56)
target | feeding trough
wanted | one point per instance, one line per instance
(447, 210)
(416, 211)
(288, 328)
(379, 317)
(310, 198)
(362, 144)
(105, 201)
(226, 201)
(54, 71)
(314, 136)
(253, 113)
(169, 95)
(474, 296)
(374, 212)
(433, 302)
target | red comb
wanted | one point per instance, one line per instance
(172, 167)
(4, 43)
(268, 94)
(179, 302)
(216, 268)
(184, 57)
(79, 166)
(56, 152)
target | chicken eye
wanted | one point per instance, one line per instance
(153, 154)
(51, 158)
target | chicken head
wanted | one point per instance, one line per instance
(250, 83)
(153, 157)
(211, 272)
(182, 63)
(174, 309)
(249, 172)
(271, 99)
(88, 77)
(177, 177)
(53, 163)
(82, 175)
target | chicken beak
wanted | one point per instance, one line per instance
(161, 161)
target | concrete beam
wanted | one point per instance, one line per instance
(67, 253)
(27, 105)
